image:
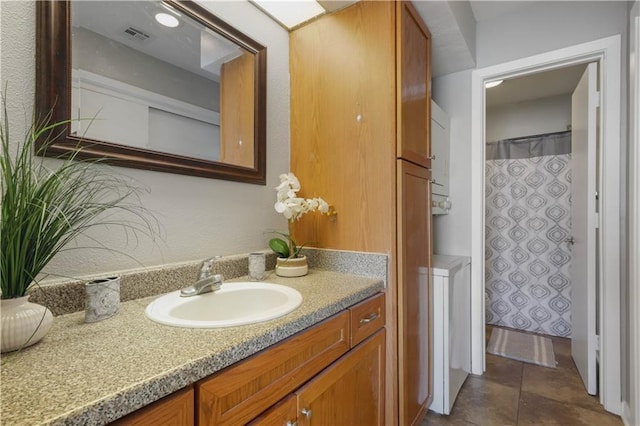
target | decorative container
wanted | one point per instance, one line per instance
(257, 263)
(102, 299)
(23, 323)
(292, 267)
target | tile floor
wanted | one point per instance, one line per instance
(517, 393)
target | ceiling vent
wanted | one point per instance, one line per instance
(135, 34)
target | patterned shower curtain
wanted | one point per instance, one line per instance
(527, 263)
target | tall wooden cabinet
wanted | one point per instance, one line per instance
(360, 117)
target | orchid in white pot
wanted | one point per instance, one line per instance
(293, 208)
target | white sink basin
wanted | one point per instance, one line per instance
(236, 303)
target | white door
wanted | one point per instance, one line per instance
(584, 102)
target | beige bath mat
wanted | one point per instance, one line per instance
(531, 348)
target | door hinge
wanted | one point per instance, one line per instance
(597, 220)
(597, 341)
(598, 99)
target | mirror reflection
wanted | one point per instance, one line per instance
(156, 79)
(156, 85)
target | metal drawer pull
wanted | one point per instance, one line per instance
(372, 317)
(307, 413)
(291, 423)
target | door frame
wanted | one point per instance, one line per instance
(606, 52)
(631, 407)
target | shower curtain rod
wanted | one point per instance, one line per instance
(532, 136)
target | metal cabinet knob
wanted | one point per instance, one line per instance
(291, 423)
(307, 413)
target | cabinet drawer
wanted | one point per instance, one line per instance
(175, 410)
(242, 391)
(366, 318)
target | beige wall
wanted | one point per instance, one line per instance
(200, 217)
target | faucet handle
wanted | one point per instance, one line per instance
(207, 267)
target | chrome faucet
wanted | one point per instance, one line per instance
(206, 282)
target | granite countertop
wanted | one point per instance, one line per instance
(91, 374)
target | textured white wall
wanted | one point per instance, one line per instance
(535, 117)
(200, 217)
(543, 26)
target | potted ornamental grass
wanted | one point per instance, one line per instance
(290, 262)
(46, 204)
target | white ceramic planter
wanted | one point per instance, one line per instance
(296, 267)
(23, 323)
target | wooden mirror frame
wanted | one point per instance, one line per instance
(53, 96)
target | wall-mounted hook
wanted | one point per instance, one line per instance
(332, 214)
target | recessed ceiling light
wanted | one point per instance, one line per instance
(493, 84)
(290, 12)
(167, 20)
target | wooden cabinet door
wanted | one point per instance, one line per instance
(414, 295)
(243, 390)
(176, 409)
(413, 86)
(237, 123)
(284, 413)
(343, 126)
(350, 391)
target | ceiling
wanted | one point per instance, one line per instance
(190, 46)
(453, 49)
(546, 84)
(452, 25)
(453, 29)
(484, 10)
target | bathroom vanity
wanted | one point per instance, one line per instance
(128, 369)
(271, 387)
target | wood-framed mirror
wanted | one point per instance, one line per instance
(187, 99)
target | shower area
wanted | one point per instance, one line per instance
(528, 222)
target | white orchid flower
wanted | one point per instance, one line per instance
(290, 205)
(323, 206)
(284, 209)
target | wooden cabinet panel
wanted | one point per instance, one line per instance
(414, 86)
(243, 391)
(414, 257)
(350, 391)
(284, 413)
(176, 409)
(366, 318)
(237, 122)
(343, 125)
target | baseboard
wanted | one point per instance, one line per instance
(627, 415)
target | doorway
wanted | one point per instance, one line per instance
(606, 53)
(528, 202)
